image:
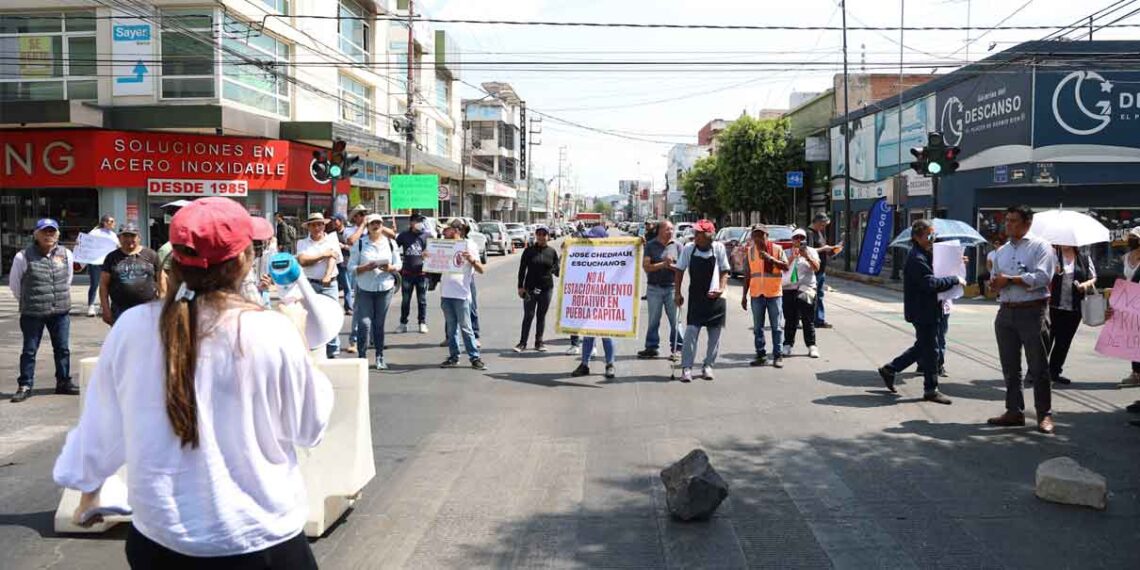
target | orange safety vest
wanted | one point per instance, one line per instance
(761, 284)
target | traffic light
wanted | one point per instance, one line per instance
(349, 168)
(921, 160)
(336, 159)
(950, 159)
(319, 167)
(936, 158)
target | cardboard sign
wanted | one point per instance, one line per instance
(599, 289)
(445, 256)
(92, 249)
(1120, 337)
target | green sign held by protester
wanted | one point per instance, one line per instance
(415, 191)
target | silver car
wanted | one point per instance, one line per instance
(518, 233)
(497, 237)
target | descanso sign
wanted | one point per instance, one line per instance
(131, 33)
(993, 109)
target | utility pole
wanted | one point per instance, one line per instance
(409, 115)
(561, 180)
(463, 160)
(531, 143)
(846, 144)
(900, 187)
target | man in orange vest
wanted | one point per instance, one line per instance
(763, 288)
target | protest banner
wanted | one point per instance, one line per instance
(599, 288)
(444, 255)
(1120, 337)
(92, 249)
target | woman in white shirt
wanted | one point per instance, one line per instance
(375, 262)
(1132, 273)
(204, 398)
(1075, 276)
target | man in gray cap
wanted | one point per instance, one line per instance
(132, 275)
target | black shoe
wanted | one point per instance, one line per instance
(477, 364)
(1130, 422)
(610, 371)
(647, 353)
(449, 363)
(520, 347)
(760, 360)
(1134, 407)
(23, 393)
(1058, 379)
(942, 373)
(888, 375)
(937, 398)
(539, 347)
(824, 326)
(778, 362)
(66, 389)
(581, 370)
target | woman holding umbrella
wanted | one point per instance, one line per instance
(1075, 277)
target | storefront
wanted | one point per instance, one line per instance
(76, 175)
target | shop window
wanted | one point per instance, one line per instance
(254, 69)
(507, 136)
(354, 31)
(442, 95)
(355, 102)
(188, 54)
(47, 56)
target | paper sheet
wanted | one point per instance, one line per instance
(948, 263)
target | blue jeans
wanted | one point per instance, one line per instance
(457, 326)
(474, 309)
(774, 309)
(588, 348)
(413, 284)
(924, 351)
(344, 282)
(940, 343)
(369, 315)
(333, 348)
(660, 300)
(59, 329)
(692, 335)
(94, 272)
(820, 314)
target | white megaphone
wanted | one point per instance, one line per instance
(325, 316)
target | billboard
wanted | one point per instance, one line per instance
(893, 142)
(989, 116)
(1094, 113)
(862, 150)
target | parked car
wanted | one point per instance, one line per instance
(475, 234)
(733, 238)
(497, 237)
(518, 233)
(738, 256)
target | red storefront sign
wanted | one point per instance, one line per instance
(82, 158)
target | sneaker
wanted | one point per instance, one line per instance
(687, 375)
(581, 370)
(888, 375)
(520, 347)
(824, 326)
(380, 364)
(707, 373)
(477, 364)
(423, 328)
(1061, 380)
(610, 373)
(937, 398)
(778, 362)
(403, 328)
(90, 310)
(1131, 381)
(351, 349)
(449, 363)
(942, 373)
(23, 393)
(66, 388)
(760, 360)
(813, 352)
(573, 350)
(647, 353)
(539, 347)
(786, 350)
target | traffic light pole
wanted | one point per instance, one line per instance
(846, 146)
(935, 184)
(409, 115)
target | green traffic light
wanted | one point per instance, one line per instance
(334, 171)
(933, 168)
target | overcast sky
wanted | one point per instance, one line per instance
(631, 102)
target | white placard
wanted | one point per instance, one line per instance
(197, 188)
(599, 289)
(948, 263)
(92, 249)
(445, 256)
(132, 51)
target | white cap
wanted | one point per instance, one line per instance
(373, 218)
(799, 232)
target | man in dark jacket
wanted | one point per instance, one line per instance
(41, 282)
(922, 310)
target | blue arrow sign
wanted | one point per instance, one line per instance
(139, 71)
(795, 179)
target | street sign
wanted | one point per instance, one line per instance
(444, 193)
(1001, 174)
(796, 179)
(132, 46)
(419, 191)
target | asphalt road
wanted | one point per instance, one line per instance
(522, 466)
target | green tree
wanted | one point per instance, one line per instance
(700, 185)
(603, 208)
(752, 159)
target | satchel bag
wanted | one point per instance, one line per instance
(1093, 308)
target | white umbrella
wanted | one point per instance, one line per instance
(1066, 227)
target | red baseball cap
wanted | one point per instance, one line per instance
(217, 229)
(705, 226)
(262, 229)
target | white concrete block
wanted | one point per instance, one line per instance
(1063, 480)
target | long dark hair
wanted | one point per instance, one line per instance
(180, 331)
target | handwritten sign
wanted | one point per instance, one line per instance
(1120, 337)
(948, 263)
(92, 249)
(599, 290)
(444, 256)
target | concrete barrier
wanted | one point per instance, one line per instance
(335, 472)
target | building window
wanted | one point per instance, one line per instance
(443, 95)
(48, 56)
(188, 54)
(442, 141)
(355, 102)
(279, 6)
(255, 69)
(482, 131)
(354, 31)
(506, 136)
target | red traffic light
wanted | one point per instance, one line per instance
(952, 152)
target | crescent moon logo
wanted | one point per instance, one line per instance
(1077, 79)
(951, 121)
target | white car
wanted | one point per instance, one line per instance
(497, 237)
(481, 239)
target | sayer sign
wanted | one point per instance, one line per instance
(82, 158)
(599, 290)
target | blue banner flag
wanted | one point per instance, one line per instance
(875, 238)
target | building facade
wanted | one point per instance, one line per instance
(678, 161)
